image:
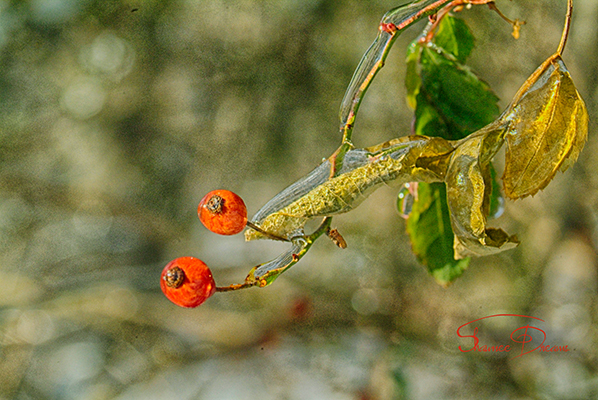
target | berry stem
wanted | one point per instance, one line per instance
(235, 286)
(267, 278)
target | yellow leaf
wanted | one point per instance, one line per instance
(469, 185)
(547, 129)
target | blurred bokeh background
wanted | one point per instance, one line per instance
(116, 117)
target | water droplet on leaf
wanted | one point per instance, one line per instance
(405, 199)
(497, 207)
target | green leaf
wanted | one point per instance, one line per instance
(450, 101)
(412, 78)
(464, 103)
(455, 37)
(429, 226)
(428, 120)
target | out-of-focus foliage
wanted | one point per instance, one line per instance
(117, 116)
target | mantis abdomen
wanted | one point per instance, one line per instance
(392, 162)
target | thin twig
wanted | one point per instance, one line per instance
(565, 34)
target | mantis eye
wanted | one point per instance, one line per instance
(222, 212)
(187, 282)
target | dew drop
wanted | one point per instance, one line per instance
(497, 206)
(405, 199)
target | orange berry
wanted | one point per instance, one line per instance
(223, 212)
(187, 282)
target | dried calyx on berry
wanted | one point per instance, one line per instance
(174, 277)
(214, 204)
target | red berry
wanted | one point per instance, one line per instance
(223, 212)
(187, 282)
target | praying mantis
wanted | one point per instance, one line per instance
(544, 129)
